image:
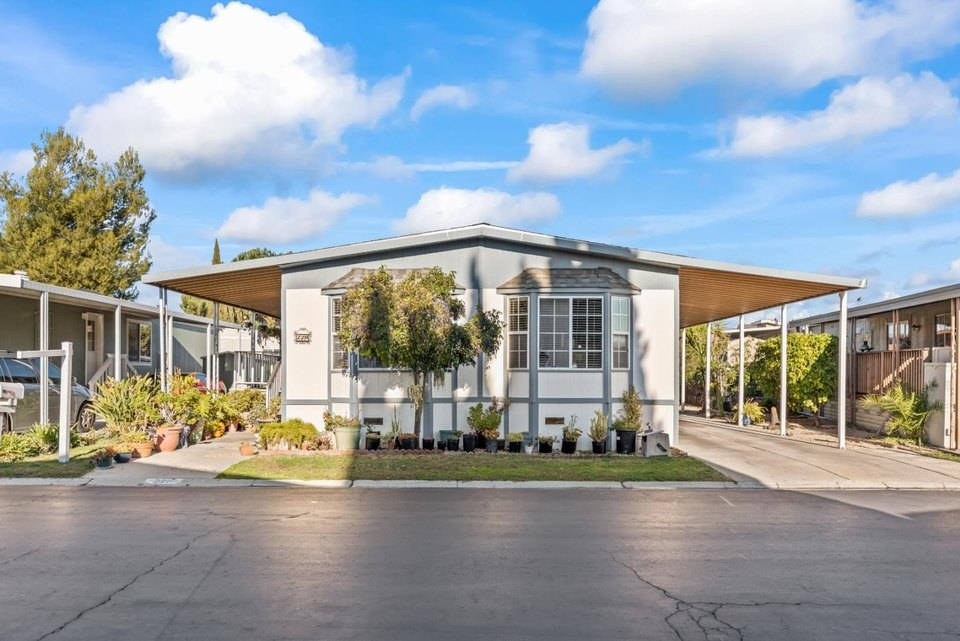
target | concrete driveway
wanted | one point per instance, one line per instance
(779, 462)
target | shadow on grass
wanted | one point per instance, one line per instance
(47, 466)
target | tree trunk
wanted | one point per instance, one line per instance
(417, 406)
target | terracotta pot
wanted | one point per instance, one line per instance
(168, 438)
(247, 449)
(142, 450)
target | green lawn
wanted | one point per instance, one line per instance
(473, 467)
(47, 466)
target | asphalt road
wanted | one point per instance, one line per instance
(229, 564)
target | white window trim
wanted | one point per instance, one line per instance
(510, 333)
(570, 350)
(333, 368)
(140, 360)
(627, 333)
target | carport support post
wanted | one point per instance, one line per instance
(740, 375)
(44, 360)
(683, 367)
(170, 348)
(207, 371)
(706, 375)
(117, 335)
(215, 366)
(66, 385)
(163, 339)
(842, 375)
(783, 370)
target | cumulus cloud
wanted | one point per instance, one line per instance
(905, 199)
(395, 167)
(562, 151)
(17, 162)
(868, 107)
(451, 207)
(440, 96)
(652, 48)
(286, 220)
(245, 84)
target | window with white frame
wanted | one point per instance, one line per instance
(338, 356)
(139, 341)
(620, 332)
(518, 315)
(943, 328)
(571, 332)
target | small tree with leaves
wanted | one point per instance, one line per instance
(414, 324)
(721, 370)
(811, 370)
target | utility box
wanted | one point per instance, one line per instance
(655, 444)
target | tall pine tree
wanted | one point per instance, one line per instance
(74, 222)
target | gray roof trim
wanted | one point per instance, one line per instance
(927, 297)
(356, 274)
(484, 230)
(566, 279)
(106, 303)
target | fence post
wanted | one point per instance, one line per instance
(66, 395)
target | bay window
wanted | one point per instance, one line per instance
(571, 332)
(518, 314)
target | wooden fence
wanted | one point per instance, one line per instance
(878, 371)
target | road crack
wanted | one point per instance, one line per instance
(129, 583)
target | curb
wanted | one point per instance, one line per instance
(477, 485)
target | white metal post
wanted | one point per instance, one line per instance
(163, 339)
(842, 375)
(783, 370)
(683, 368)
(117, 336)
(216, 347)
(170, 347)
(44, 360)
(740, 379)
(66, 393)
(706, 376)
(207, 370)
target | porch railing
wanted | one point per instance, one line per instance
(878, 371)
(106, 369)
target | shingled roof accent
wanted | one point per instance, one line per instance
(567, 278)
(357, 274)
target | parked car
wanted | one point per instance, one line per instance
(201, 379)
(26, 371)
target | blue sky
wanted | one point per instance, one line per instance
(816, 135)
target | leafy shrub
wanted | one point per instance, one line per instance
(570, 431)
(811, 370)
(333, 421)
(908, 411)
(293, 433)
(16, 447)
(127, 405)
(599, 426)
(181, 405)
(753, 411)
(631, 414)
(485, 422)
(46, 438)
(547, 439)
(516, 437)
(251, 405)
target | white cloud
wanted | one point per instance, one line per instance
(286, 220)
(442, 95)
(871, 106)
(928, 279)
(245, 84)
(451, 207)
(562, 151)
(395, 167)
(17, 162)
(652, 48)
(916, 198)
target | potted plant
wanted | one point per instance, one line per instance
(453, 440)
(571, 434)
(599, 428)
(167, 437)
(485, 423)
(428, 442)
(373, 441)
(122, 452)
(408, 441)
(442, 445)
(103, 457)
(346, 430)
(515, 442)
(629, 421)
(546, 444)
(141, 445)
(469, 441)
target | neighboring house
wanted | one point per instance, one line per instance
(88, 319)
(912, 339)
(584, 321)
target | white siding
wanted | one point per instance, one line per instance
(306, 363)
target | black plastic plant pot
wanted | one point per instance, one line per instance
(626, 441)
(546, 448)
(599, 447)
(105, 462)
(501, 444)
(453, 444)
(491, 446)
(122, 457)
(409, 443)
(442, 445)
(469, 442)
(515, 447)
(373, 443)
(481, 442)
(428, 443)
(568, 447)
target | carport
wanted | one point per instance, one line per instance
(709, 291)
